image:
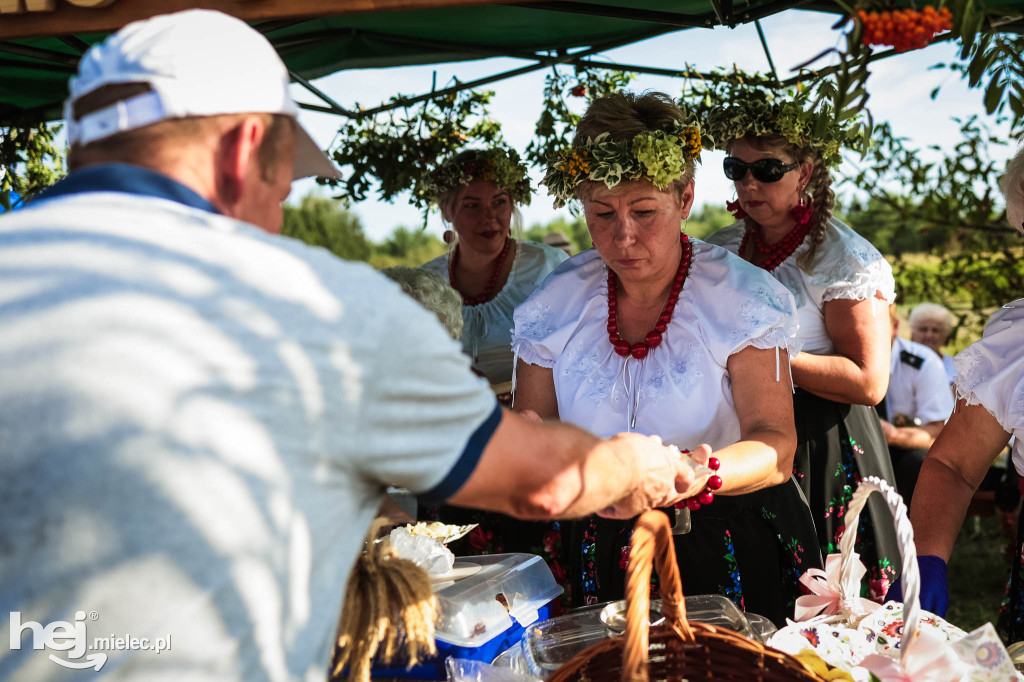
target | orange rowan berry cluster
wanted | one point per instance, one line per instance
(904, 29)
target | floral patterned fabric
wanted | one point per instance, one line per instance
(750, 548)
(837, 446)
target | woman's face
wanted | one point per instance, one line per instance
(635, 228)
(931, 333)
(769, 203)
(481, 216)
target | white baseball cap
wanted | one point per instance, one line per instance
(197, 63)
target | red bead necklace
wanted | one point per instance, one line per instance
(488, 293)
(781, 250)
(640, 349)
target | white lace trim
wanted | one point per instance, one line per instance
(859, 277)
(526, 352)
(777, 339)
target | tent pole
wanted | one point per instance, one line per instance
(671, 73)
(75, 43)
(873, 57)
(50, 56)
(767, 52)
(335, 108)
(541, 64)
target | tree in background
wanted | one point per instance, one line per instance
(320, 221)
(575, 229)
(29, 161)
(940, 217)
(406, 247)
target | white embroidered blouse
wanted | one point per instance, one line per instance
(845, 266)
(487, 326)
(990, 372)
(681, 390)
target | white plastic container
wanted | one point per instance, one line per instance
(508, 589)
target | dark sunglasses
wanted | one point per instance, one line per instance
(764, 170)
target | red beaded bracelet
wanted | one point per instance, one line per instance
(706, 496)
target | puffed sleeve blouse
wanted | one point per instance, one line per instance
(845, 266)
(487, 326)
(990, 372)
(682, 389)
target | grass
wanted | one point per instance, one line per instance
(978, 571)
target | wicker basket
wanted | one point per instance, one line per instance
(675, 649)
(908, 552)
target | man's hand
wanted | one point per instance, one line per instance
(888, 430)
(662, 475)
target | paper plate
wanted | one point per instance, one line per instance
(461, 569)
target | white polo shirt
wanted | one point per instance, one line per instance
(918, 386)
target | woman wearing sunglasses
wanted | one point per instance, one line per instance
(653, 332)
(842, 286)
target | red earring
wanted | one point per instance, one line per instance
(734, 208)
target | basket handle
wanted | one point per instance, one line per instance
(905, 541)
(651, 543)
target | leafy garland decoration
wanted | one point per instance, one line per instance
(499, 165)
(558, 118)
(740, 106)
(660, 156)
(395, 150)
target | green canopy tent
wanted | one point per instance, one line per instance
(39, 49)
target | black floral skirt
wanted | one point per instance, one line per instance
(838, 445)
(750, 548)
(1010, 623)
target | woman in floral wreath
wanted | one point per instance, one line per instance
(842, 286)
(661, 334)
(479, 193)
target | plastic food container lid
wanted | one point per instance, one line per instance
(477, 608)
(549, 644)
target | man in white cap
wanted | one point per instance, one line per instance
(199, 418)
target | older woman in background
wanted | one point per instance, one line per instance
(931, 325)
(661, 334)
(479, 193)
(842, 286)
(989, 410)
(431, 291)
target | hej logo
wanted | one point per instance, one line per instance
(59, 636)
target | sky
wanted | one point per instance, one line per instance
(899, 88)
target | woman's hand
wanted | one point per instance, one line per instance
(699, 456)
(663, 477)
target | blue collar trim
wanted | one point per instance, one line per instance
(122, 177)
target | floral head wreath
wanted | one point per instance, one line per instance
(661, 156)
(757, 115)
(498, 165)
